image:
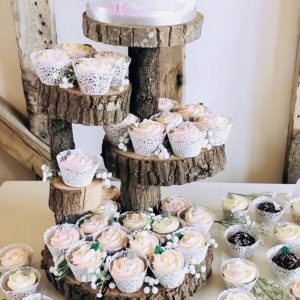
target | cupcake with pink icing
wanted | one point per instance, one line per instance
(166, 105)
(77, 50)
(107, 208)
(128, 269)
(294, 290)
(143, 242)
(135, 220)
(60, 238)
(84, 258)
(173, 204)
(111, 193)
(51, 65)
(198, 217)
(169, 268)
(91, 224)
(164, 225)
(77, 167)
(169, 119)
(190, 112)
(94, 75)
(146, 137)
(186, 140)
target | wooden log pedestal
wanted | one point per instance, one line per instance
(72, 289)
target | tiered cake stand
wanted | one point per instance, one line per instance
(157, 70)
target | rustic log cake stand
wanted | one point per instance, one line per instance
(157, 70)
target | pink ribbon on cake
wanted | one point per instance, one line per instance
(118, 7)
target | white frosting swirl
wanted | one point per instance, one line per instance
(165, 104)
(144, 243)
(197, 215)
(79, 50)
(85, 257)
(14, 257)
(185, 130)
(64, 237)
(95, 65)
(295, 207)
(287, 232)
(192, 239)
(295, 289)
(170, 120)
(113, 239)
(174, 204)
(212, 121)
(93, 224)
(54, 55)
(135, 221)
(239, 272)
(238, 296)
(148, 128)
(165, 225)
(125, 267)
(21, 280)
(167, 262)
(111, 57)
(107, 207)
(191, 111)
(130, 119)
(235, 203)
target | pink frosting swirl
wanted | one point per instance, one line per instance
(197, 215)
(212, 121)
(192, 239)
(85, 257)
(170, 120)
(64, 237)
(54, 55)
(107, 207)
(185, 130)
(126, 268)
(148, 128)
(76, 161)
(113, 239)
(135, 221)
(93, 224)
(144, 243)
(174, 204)
(191, 111)
(166, 104)
(95, 65)
(111, 57)
(15, 257)
(168, 262)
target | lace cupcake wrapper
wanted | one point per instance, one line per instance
(226, 293)
(115, 132)
(239, 251)
(217, 136)
(120, 74)
(19, 295)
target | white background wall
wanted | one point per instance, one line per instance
(242, 66)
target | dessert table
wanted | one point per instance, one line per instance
(24, 216)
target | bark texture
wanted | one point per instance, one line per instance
(71, 289)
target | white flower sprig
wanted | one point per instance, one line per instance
(68, 80)
(151, 285)
(162, 152)
(105, 176)
(60, 268)
(124, 140)
(48, 174)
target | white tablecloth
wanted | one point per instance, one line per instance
(24, 216)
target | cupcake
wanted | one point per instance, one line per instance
(168, 119)
(267, 210)
(113, 239)
(144, 242)
(294, 289)
(51, 65)
(186, 140)
(288, 233)
(295, 210)
(241, 241)
(84, 258)
(198, 217)
(77, 50)
(193, 245)
(166, 105)
(116, 131)
(285, 263)
(107, 208)
(135, 220)
(191, 112)
(37, 297)
(94, 75)
(77, 168)
(19, 283)
(15, 255)
(173, 204)
(217, 126)
(91, 224)
(164, 225)
(239, 274)
(236, 295)
(128, 271)
(169, 268)
(60, 238)
(147, 137)
(111, 193)
(121, 63)
(235, 206)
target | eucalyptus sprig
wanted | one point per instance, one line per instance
(268, 289)
(60, 268)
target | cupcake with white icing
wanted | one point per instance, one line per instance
(169, 119)
(295, 210)
(83, 259)
(164, 225)
(294, 289)
(19, 283)
(233, 294)
(198, 217)
(169, 268)
(15, 255)
(287, 233)
(190, 112)
(94, 75)
(77, 50)
(166, 105)
(91, 224)
(173, 204)
(128, 270)
(146, 137)
(143, 242)
(235, 206)
(135, 220)
(115, 131)
(77, 167)
(239, 273)
(107, 208)
(186, 140)
(51, 65)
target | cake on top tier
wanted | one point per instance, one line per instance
(142, 12)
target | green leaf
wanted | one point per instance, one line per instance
(96, 246)
(159, 250)
(179, 235)
(285, 250)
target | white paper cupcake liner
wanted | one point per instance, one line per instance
(244, 286)
(27, 248)
(295, 216)
(55, 251)
(19, 295)
(226, 293)
(133, 284)
(217, 136)
(145, 146)
(266, 217)
(81, 274)
(77, 178)
(284, 276)
(239, 251)
(93, 83)
(50, 73)
(37, 297)
(121, 72)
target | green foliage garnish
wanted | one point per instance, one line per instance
(159, 250)
(96, 246)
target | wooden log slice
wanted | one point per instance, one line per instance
(156, 172)
(72, 289)
(73, 106)
(67, 202)
(143, 36)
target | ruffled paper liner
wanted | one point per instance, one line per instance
(266, 217)
(55, 251)
(201, 227)
(81, 274)
(161, 211)
(146, 146)
(25, 247)
(91, 82)
(246, 287)
(295, 216)
(38, 297)
(218, 135)
(133, 284)
(77, 54)
(226, 293)
(19, 295)
(80, 177)
(239, 251)
(123, 216)
(282, 275)
(46, 70)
